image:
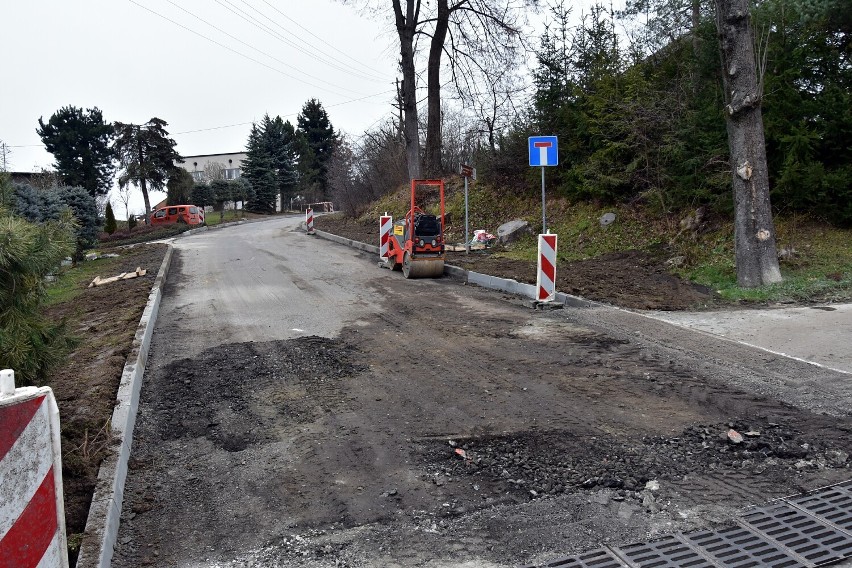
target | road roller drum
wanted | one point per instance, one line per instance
(416, 245)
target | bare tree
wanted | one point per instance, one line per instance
(214, 171)
(124, 197)
(754, 231)
(341, 179)
(406, 28)
(471, 33)
(484, 35)
(494, 104)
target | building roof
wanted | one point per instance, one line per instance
(185, 158)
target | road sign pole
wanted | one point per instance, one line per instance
(466, 229)
(543, 217)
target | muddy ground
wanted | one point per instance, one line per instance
(630, 279)
(458, 428)
(104, 319)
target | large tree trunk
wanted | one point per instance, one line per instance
(143, 183)
(433, 120)
(406, 27)
(754, 232)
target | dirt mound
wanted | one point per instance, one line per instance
(630, 279)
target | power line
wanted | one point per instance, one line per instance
(220, 30)
(239, 12)
(370, 73)
(285, 115)
(208, 129)
(234, 50)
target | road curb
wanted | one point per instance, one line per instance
(470, 277)
(105, 511)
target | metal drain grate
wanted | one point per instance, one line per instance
(738, 547)
(815, 541)
(833, 504)
(806, 530)
(601, 558)
(669, 552)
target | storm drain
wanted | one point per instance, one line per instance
(739, 547)
(668, 552)
(806, 535)
(813, 529)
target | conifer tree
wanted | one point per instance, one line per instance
(147, 156)
(110, 225)
(320, 139)
(29, 343)
(80, 142)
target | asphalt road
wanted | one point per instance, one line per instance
(262, 281)
(298, 405)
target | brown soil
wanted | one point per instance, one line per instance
(631, 279)
(104, 319)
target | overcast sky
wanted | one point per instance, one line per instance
(207, 67)
(134, 64)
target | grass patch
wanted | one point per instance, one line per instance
(218, 217)
(71, 281)
(816, 258)
(816, 264)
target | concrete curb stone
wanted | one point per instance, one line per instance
(470, 277)
(105, 512)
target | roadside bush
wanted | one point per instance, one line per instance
(142, 234)
(202, 195)
(30, 344)
(85, 210)
(41, 205)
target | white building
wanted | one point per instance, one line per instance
(230, 164)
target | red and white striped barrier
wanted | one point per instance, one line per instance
(546, 279)
(32, 514)
(385, 227)
(309, 220)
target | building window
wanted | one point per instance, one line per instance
(197, 177)
(232, 173)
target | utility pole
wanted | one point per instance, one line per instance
(4, 155)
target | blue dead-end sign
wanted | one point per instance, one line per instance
(544, 151)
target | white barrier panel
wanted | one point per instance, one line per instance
(385, 226)
(546, 279)
(309, 220)
(32, 513)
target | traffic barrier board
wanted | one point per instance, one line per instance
(32, 515)
(309, 220)
(385, 224)
(546, 279)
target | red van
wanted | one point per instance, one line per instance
(190, 214)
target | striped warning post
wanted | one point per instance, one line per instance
(32, 516)
(309, 220)
(546, 279)
(385, 226)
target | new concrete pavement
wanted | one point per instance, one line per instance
(821, 335)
